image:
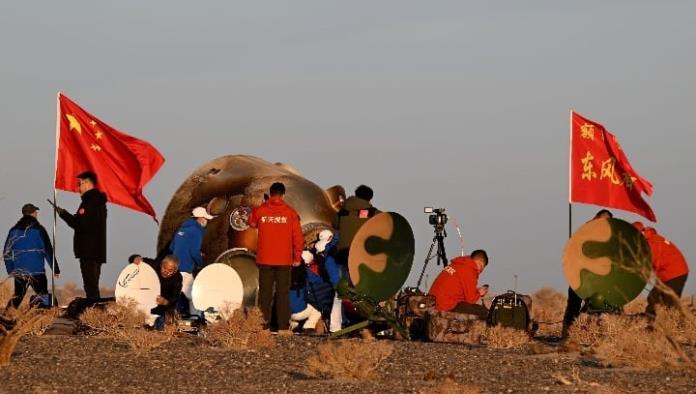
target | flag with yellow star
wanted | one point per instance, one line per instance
(600, 173)
(123, 164)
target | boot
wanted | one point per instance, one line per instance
(336, 320)
(313, 317)
(299, 316)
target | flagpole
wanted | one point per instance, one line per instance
(55, 205)
(570, 173)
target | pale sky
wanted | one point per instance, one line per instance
(456, 104)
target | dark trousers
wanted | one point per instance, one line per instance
(657, 297)
(164, 313)
(21, 283)
(275, 278)
(91, 270)
(573, 308)
(471, 309)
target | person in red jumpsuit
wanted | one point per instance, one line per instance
(456, 288)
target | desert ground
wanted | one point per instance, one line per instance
(96, 364)
(110, 353)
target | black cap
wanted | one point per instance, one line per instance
(28, 209)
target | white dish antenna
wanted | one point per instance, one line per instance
(138, 283)
(218, 287)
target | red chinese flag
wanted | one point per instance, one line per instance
(123, 164)
(600, 173)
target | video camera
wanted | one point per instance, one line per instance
(438, 217)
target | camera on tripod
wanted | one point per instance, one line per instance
(438, 217)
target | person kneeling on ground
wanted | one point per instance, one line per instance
(669, 265)
(299, 308)
(320, 277)
(455, 288)
(170, 286)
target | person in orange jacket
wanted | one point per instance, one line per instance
(669, 265)
(279, 247)
(456, 288)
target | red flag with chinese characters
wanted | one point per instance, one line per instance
(600, 173)
(123, 164)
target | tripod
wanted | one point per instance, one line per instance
(440, 254)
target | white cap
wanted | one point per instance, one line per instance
(200, 212)
(325, 236)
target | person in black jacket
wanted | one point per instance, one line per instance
(171, 283)
(89, 223)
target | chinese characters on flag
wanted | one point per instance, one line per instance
(123, 164)
(600, 173)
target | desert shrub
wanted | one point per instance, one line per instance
(141, 340)
(349, 359)
(15, 323)
(125, 323)
(637, 348)
(680, 326)
(111, 318)
(41, 325)
(240, 330)
(505, 338)
(617, 340)
(548, 306)
(587, 330)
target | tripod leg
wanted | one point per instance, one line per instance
(441, 253)
(425, 263)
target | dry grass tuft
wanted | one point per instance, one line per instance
(15, 323)
(141, 340)
(240, 331)
(125, 323)
(40, 326)
(548, 308)
(506, 338)
(112, 318)
(675, 323)
(349, 359)
(617, 340)
(587, 330)
(449, 386)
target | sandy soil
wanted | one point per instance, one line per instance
(96, 364)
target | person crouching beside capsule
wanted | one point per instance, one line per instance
(455, 288)
(171, 283)
(299, 308)
(321, 275)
